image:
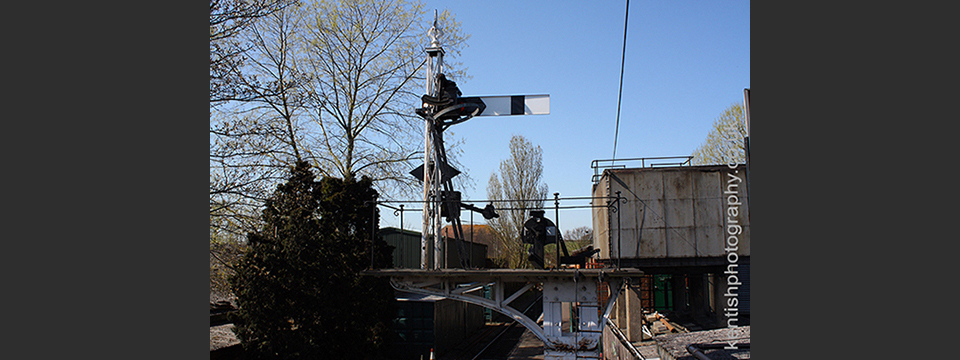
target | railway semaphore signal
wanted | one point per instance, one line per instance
(563, 290)
(444, 106)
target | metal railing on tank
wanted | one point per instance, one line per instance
(599, 165)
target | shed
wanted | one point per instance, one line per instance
(407, 251)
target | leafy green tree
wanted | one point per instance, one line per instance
(521, 183)
(298, 286)
(724, 143)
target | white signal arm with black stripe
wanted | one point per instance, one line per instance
(504, 105)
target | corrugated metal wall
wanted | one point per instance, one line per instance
(406, 252)
(476, 252)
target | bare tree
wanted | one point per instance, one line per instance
(255, 139)
(724, 143)
(518, 189)
(229, 18)
(578, 237)
(234, 191)
(574, 239)
(331, 83)
(366, 58)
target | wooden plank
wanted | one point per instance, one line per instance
(667, 323)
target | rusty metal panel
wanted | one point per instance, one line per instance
(625, 241)
(708, 202)
(677, 184)
(654, 217)
(708, 226)
(653, 243)
(629, 216)
(601, 223)
(707, 213)
(708, 217)
(678, 212)
(647, 184)
(649, 201)
(709, 240)
(670, 212)
(681, 242)
(744, 244)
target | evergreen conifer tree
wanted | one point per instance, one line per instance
(298, 287)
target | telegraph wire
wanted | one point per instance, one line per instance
(623, 57)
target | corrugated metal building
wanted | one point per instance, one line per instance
(689, 222)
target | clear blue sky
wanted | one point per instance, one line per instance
(686, 61)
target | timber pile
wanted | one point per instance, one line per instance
(659, 324)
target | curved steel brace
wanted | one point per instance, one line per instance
(501, 305)
(503, 308)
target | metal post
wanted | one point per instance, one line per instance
(556, 212)
(401, 239)
(436, 50)
(471, 240)
(619, 254)
(373, 230)
(431, 171)
(425, 229)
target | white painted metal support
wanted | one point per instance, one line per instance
(518, 293)
(431, 172)
(578, 289)
(611, 301)
(466, 289)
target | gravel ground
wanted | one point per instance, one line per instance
(222, 336)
